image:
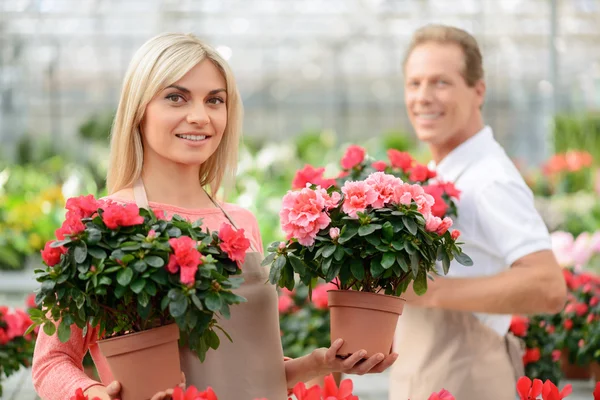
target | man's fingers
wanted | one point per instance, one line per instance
(351, 361)
(331, 353)
(366, 366)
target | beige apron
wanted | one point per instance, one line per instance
(452, 350)
(252, 366)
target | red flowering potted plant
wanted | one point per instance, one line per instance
(372, 238)
(356, 165)
(16, 346)
(144, 282)
(542, 356)
(582, 301)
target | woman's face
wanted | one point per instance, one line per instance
(184, 123)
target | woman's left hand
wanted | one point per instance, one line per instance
(327, 361)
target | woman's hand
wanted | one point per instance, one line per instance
(327, 361)
(113, 391)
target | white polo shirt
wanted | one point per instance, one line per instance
(496, 215)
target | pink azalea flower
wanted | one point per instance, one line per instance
(358, 196)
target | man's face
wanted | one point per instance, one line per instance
(440, 104)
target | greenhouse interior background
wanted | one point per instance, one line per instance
(315, 76)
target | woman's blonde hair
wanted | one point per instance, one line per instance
(160, 62)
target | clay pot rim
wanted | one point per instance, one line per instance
(376, 301)
(128, 343)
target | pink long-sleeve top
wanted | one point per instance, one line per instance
(58, 367)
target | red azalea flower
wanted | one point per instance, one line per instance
(80, 396)
(353, 157)
(419, 173)
(234, 243)
(193, 394)
(568, 324)
(597, 391)
(116, 215)
(531, 356)
(83, 206)
(379, 165)
(519, 325)
(439, 207)
(51, 255)
(312, 175)
(186, 256)
(451, 190)
(400, 159)
(71, 226)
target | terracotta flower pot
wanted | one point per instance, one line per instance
(595, 370)
(573, 371)
(364, 320)
(144, 362)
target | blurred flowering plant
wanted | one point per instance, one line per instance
(542, 357)
(581, 253)
(357, 165)
(125, 269)
(581, 312)
(304, 322)
(375, 234)
(16, 346)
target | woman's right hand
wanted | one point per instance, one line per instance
(113, 391)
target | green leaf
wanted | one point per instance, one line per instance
(410, 224)
(97, 252)
(420, 284)
(94, 236)
(120, 291)
(339, 253)
(154, 261)
(150, 288)
(64, 331)
(348, 233)
(138, 285)
(463, 259)
(410, 249)
(131, 246)
(139, 265)
(164, 302)
(160, 277)
(414, 263)
(445, 263)
(80, 252)
(178, 307)
(298, 265)
(268, 260)
(325, 265)
(197, 302)
(388, 260)
(402, 262)
(328, 251)
(213, 301)
(275, 273)
(333, 272)
(365, 230)
(212, 339)
(388, 231)
(143, 299)
(124, 276)
(174, 232)
(35, 313)
(376, 267)
(49, 328)
(144, 310)
(398, 245)
(48, 285)
(357, 268)
(374, 240)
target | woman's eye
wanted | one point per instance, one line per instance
(216, 100)
(174, 97)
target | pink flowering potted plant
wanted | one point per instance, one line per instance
(372, 238)
(144, 282)
(356, 165)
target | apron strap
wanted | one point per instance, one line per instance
(141, 199)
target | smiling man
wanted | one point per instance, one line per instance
(455, 336)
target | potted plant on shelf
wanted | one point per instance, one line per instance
(144, 282)
(369, 237)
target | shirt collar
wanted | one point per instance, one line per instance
(454, 164)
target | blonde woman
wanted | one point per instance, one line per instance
(176, 133)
